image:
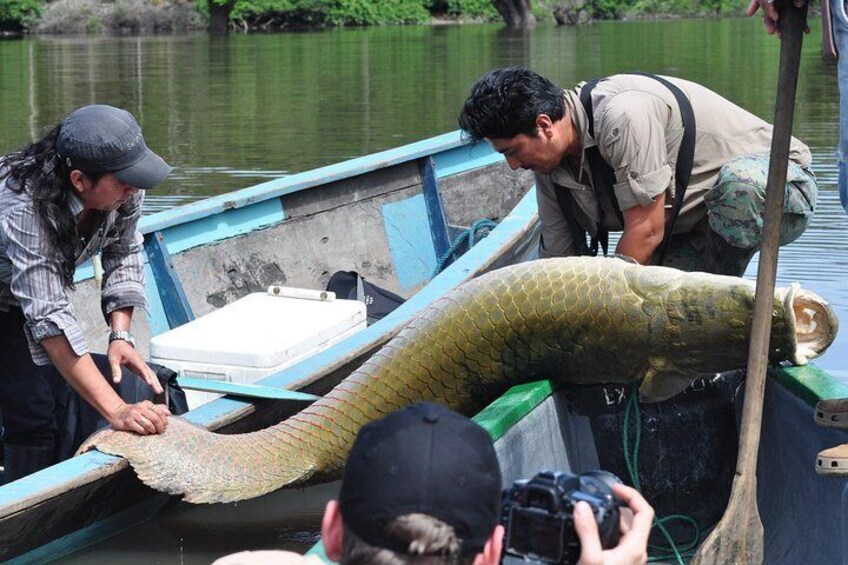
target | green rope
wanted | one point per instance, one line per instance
(631, 460)
(470, 235)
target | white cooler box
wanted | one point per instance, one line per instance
(256, 336)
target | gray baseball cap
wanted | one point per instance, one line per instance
(105, 139)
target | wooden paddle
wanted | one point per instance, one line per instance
(738, 537)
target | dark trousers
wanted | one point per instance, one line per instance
(39, 408)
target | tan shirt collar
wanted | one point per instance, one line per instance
(577, 115)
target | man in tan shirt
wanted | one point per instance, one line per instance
(637, 131)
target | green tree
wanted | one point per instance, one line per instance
(18, 15)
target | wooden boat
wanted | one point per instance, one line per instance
(686, 454)
(390, 216)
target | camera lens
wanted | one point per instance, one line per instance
(603, 477)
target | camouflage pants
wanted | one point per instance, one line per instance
(735, 206)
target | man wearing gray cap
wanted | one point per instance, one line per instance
(74, 193)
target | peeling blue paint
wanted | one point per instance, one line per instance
(297, 182)
(410, 243)
(84, 272)
(224, 225)
(156, 319)
(465, 158)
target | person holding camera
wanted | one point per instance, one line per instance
(558, 517)
(423, 485)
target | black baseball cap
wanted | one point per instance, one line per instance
(422, 459)
(105, 139)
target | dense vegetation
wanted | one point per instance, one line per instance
(116, 16)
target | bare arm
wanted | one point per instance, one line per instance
(122, 353)
(644, 227)
(84, 377)
(123, 289)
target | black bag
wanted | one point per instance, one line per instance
(175, 395)
(379, 302)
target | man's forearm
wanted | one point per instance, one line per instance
(644, 227)
(83, 375)
(121, 319)
(638, 246)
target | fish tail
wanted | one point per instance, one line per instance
(205, 467)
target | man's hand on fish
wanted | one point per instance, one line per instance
(577, 320)
(142, 418)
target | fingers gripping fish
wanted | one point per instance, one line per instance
(576, 320)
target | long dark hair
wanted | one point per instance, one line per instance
(38, 170)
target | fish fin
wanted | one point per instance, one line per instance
(92, 441)
(662, 381)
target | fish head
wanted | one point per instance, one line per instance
(811, 323)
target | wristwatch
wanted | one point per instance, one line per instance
(123, 335)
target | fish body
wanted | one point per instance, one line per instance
(576, 320)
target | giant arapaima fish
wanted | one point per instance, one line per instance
(577, 320)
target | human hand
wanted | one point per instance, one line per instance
(770, 15)
(633, 546)
(142, 418)
(122, 353)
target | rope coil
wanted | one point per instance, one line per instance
(470, 235)
(631, 460)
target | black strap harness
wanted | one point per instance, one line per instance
(603, 176)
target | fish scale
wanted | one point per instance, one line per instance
(575, 320)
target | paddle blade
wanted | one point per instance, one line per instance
(738, 537)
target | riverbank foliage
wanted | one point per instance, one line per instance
(17, 15)
(119, 16)
(618, 9)
(151, 16)
(272, 15)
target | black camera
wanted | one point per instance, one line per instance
(538, 514)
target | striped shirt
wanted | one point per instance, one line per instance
(31, 280)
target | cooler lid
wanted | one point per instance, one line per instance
(259, 330)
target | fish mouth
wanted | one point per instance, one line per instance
(812, 322)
